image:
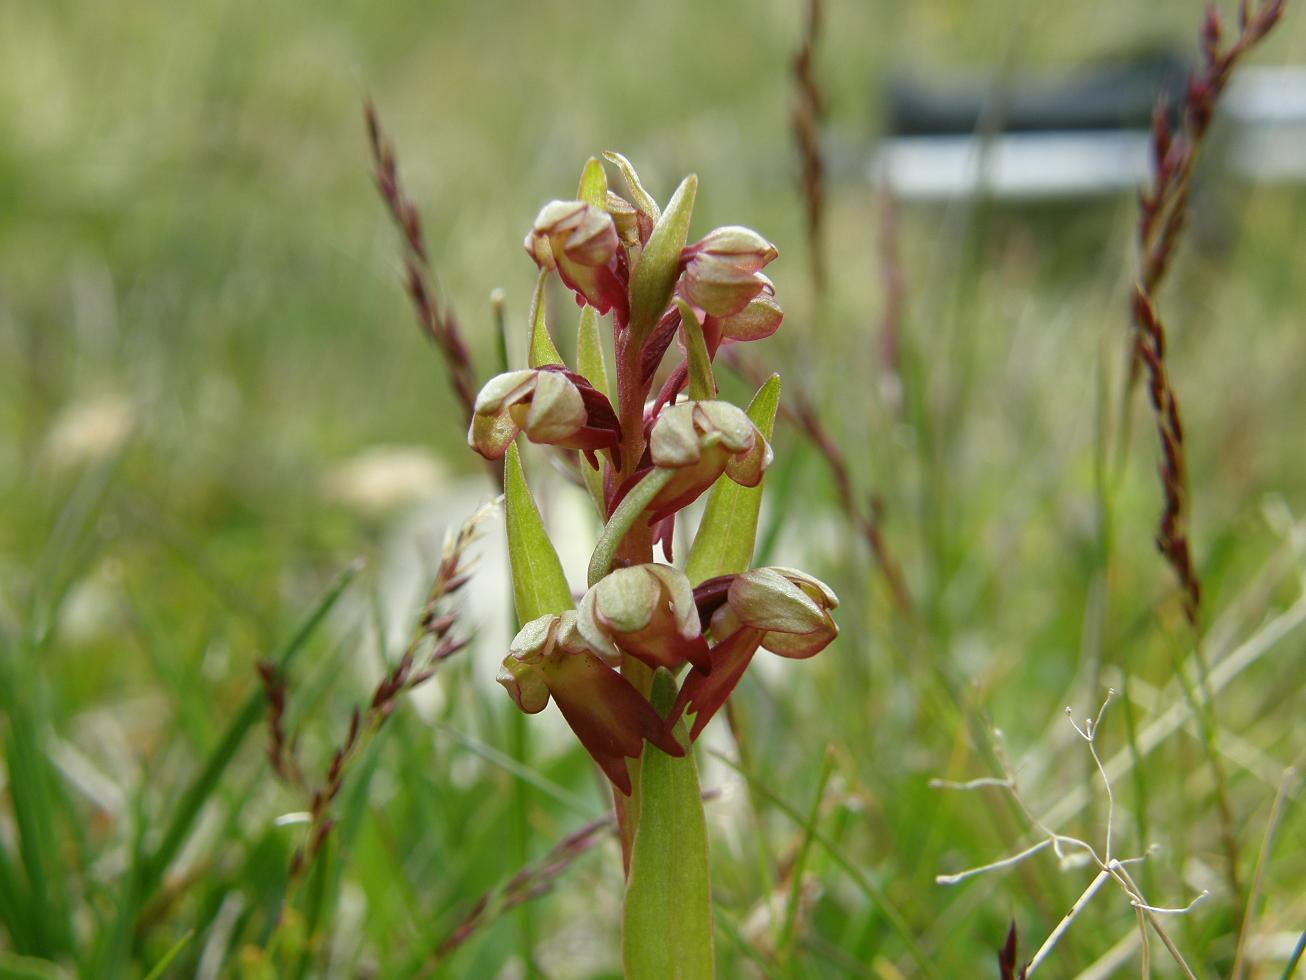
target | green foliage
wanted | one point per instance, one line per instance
(724, 543)
(667, 926)
(539, 586)
(542, 351)
(651, 281)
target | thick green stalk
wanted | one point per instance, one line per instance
(667, 920)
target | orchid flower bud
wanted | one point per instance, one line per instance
(551, 405)
(647, 611)
(700, 440)
(792, 607)
(782, 609)
(550, 658)
(721, 271)
(633, 226)
(580, 241)
(756, 321)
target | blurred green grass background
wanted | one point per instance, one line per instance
(201, 320)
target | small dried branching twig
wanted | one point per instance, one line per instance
(1067, 848)
(808, 111)
(433, 642)
(436, 318)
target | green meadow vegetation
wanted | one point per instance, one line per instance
(225, 444)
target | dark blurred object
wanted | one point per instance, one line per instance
(1113, 96)
(1080, 136)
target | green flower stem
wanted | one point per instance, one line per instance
(627, 808)
(667, 919)
(628, 511)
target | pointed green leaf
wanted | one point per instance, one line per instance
(659, 264)
(157, 970)
(589, 360)
(542, 351)
(589, 351)
(702, 382)
(538, 584)
(593, 480)
(498, 309)
(724, 543)
(593, 188)
(667, 920)
(641, 198)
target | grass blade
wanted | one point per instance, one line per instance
(157, 970)
(204, 784)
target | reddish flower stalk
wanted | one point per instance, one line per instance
(808, 112)
(432, 643)
(436, 319)
(1172, 533)
(1163, 209)
(280, 751)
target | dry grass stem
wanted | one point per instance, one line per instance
(798, 410)
(529, 883)
(808, 111)
(1163, 211)
(433, 642)
(895, 298)
(436, 317)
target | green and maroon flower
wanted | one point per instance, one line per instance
(780, 609)
(697, 441)
(581, 242)
(647, 611)
(551, 405)
(550, 658)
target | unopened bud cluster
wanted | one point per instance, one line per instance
(656, 442)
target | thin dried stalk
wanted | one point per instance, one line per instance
(1172, 532)
(529, 883)
(1163, 212)
(1163, 208)
(808, 111)
(800, 412)
(432, 643)
(436, 318)
(895, 297)
(1109, 866)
